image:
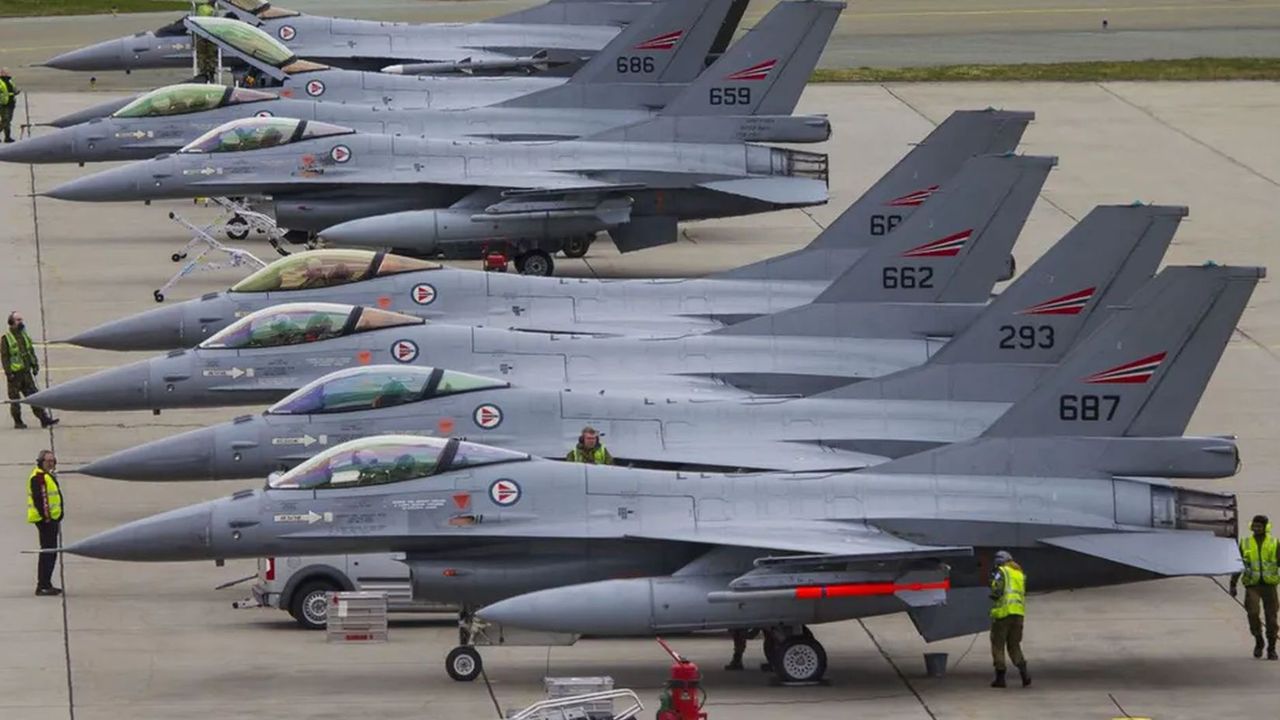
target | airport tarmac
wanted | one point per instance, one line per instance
(874, 33)
(157, 641)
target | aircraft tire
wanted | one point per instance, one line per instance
(463, 663)
(800, 659)
(577, 246)
(537, 263)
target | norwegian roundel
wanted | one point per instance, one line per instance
(405, 351)
(487, 416)
(287, 33)
(340, 153)
(504, 493)
(262, 113)
(315, 88)
(423, 294)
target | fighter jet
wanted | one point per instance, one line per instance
(1069, 291)
(166, 119)
(668, 44)
(428, 290)
(556, 33)
(886, 313)
(537, 544)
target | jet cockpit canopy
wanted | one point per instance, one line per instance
(300, 323)
(379, 386)
(389, 459)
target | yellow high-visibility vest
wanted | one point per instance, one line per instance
(1013, 600)
(1260, 564)
(51, 491)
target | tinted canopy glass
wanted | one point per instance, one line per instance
(379, 386)
(246, 39)
(310, 269)
(175, 100)
(388, 459)
(256, 133)
(300, 323)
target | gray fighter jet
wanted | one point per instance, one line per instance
(537, 544)
(669, 44)
(166, 119)
(555, 33)
(1068, 291)
(529, 196)
(421, 288)
(888, 312)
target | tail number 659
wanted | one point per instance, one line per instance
(729, 96)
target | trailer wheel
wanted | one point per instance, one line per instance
(237, 228)
(310, 604)
(463, 663)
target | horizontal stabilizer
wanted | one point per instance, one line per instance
(787, 191)
(1163, 553)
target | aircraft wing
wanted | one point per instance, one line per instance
(814, 539)
(785, 456)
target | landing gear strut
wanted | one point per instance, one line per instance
(463, 663)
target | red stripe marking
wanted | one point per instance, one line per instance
(817, 592)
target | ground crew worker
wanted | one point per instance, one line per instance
(206, 51)
(1261, 578)
(18, 355)
(1008, 606)
(44, 509)
(8, 102)
(740, 637)
(589, 449)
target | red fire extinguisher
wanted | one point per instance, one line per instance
(682, 697)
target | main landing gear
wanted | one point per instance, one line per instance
(796, 658)
(535, 262)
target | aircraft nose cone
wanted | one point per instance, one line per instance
(114, 185)
(93, 112)
(188, 456)
(158, 329)
(122, 388)
(99, 56)
(54, 147)
(182, 534)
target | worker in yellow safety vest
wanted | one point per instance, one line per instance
(44, 510)
(1008, 607)
(18, 355)
(206, 51)
(1261, 579)
(8, 103)
(589, 449)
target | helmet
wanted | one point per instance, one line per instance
(1003, 557)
